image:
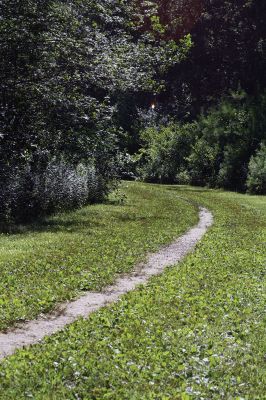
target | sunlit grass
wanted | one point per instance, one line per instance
(196, 332)
(55, 259)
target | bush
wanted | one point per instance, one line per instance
(212, 151)
(27, 193)
(183, 178)
(60, 187)
(221, 153)
(126, 166)
(256, 182)
(165, 151)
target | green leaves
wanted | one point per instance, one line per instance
(214, 150)
(256, 182)
(65, 66)
(61, 61)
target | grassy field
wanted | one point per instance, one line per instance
(196, 332)
(85, 250)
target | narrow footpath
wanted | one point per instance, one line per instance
(32, 332)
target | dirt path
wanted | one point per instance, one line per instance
(33, 331)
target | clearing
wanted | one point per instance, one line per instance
(195, 332)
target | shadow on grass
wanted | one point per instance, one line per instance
(86, 218)
(69, 221)
(54, 226)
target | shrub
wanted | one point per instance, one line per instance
(165, 151)
(60, 187)
(212, 151)
(220, 155)
(256, 181)
(27, 193)
(126, 166)
(183, 178)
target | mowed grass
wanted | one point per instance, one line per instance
(196, 332)
(85, 250)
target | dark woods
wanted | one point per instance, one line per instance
(77, 82)
(214, 100)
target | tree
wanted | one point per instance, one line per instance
(228, 53)
(65, 66)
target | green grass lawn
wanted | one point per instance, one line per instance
(85, 250)
(196, 332)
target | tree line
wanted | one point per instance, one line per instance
(210, 126)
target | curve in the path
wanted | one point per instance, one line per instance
(32, 332)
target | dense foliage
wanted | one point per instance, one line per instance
(64, 68)
(209, 122)
(214, 150)
(256, 182)
(229, 51)
(77, 79)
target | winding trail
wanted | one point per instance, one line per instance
(32, 332)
